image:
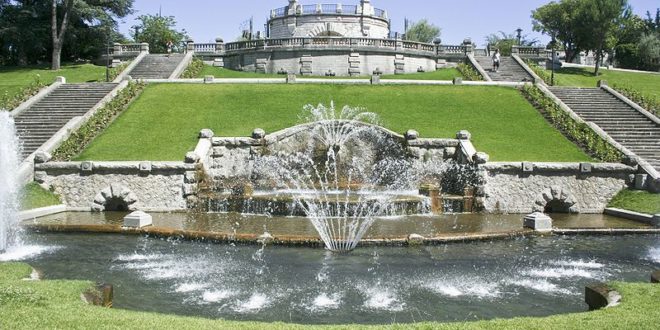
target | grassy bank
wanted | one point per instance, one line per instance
(12, 79)
(442, 74)
(33, 196)
(638, 201)
(57, 305)
(163, 123)
(645, 83)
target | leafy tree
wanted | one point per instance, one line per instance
(559, 19)
(648, 49)
(102, 12)
(600, 20)
(24, 32)
(422, 31)
(157, 30)
(505, 42)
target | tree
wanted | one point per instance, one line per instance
(157, 30)
(505, 42)
(422, 31)
(648, 49)
(103, 12)
(559, 19)
(600, 20)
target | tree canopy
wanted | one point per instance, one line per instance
(422, 31)
(505, 41)
(158, 30)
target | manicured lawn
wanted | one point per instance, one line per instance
(638, 201)
(33, 196)
(226, 73)
(441, 74)
(12, 79)
(645, 83)
(163, 123)
(57, 305)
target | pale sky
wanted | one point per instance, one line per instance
(207, 19)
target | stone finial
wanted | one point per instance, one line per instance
(457, 81)
(538, 221)
(375, 79)
(42, 157)
(87, 167)
(60, 79)
(463, 135)
(585, 168)
(527, 167)
(258, 134)
(412, 134)
(206, 134)
(602, 83)
(219, 40)
(145, 167)
(138, 219)
(481, 158)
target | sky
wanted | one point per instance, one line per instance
(205, 20)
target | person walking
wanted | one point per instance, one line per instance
(170, 44)
(496, 60)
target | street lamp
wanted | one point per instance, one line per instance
(519, 36)
(107, 59)
(552, 64)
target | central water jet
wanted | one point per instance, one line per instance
(9, 182)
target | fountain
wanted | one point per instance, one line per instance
(339, 183)
(9, 185)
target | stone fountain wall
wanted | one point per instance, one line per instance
(529, 187)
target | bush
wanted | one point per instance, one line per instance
(468, 72)
(78, 140)
(579, 133)
(194, 69)
(10, 102)
(647, 102)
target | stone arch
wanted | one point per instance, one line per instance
(556, 200)
(114, 198)
(327, 30)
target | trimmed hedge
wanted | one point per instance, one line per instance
(79, 140)
(579, 133)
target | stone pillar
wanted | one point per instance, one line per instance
(367, 8)
(293, 6)
(515, 50)
(116, 49)
(144, 47)
(219, 46)
(190, 45)
(433, 192)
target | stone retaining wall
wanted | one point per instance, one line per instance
(148, 186)
(528, 187)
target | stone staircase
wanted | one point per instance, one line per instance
(40, 122)
(156, 66)
(623, 123)
(509, 71)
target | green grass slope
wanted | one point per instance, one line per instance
(57, 305)
(638, 201)
(12, 79)
(163, 123)
(645, 83)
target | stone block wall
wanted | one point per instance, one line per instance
(528, 187)
(158, 186)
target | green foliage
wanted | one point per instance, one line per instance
(560, 19)
(33, 197)
(11, 101)
(648, 102)
(637, 201)
(541, 72)
(422, 31)
(194, 69)
(468, 72)
(648, 49)
(505, 42)
(98, 123)
(58, 306)
(25, 29)
(158, 30)
(167, 118)
(579, 133)
(440, 74)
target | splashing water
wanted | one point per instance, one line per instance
(339, 182)
(9, 182)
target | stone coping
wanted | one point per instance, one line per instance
(41, 212)
(310, 241)
(653, 220)
(544, 167)
(75, 167)
(325, 81)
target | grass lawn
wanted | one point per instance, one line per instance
(441, 74)
(12, 79)
(638, 201)
(33, 196)
(57, 305)
(645, 83)
(162, 124)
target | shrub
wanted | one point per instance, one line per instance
(468, 72)
(194, 69)
(647, 102)
(10, 102)
(579, 133)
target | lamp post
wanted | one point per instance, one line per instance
(107, 59)
(519, 36)
(552, 64)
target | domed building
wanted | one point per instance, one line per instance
(330, 39)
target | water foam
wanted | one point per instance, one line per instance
(217, 295)
(382, 299)
(256, 302)
(324, 302)
(539, 285)
(553, 272)
(654, 255)
(464, 287)
(190, 287)
(578, 263)
(18, 253)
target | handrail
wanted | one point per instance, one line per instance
(327, 9)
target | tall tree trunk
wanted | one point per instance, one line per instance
(599, 55)
(58, 36)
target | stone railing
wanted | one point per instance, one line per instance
(333, 42)
(325, 9)
(527, 51)
(132, 49)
